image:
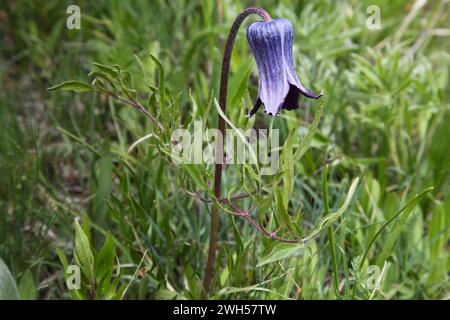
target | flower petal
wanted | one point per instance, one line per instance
(279, 86)
(289, 61)
(291, 100)
(255, 108)
(265, 40)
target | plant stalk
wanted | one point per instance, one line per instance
(330, 234)
(219, 147)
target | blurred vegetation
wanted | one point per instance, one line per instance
(64, 156)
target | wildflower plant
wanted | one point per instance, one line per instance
(264, 203)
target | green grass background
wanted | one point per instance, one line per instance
(64, 155)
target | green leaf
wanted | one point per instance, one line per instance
(396, 231)
(330, 233)
(239, 81)
(288, 169)
(83, 252)
(195, 176)
(104, 186)
(165, 294)
(8, 288)
(281, 208)
(104, 263)
(408, 207)
(110, 71)
(237, 235)
(162, 89)
(62, 258)
(437, 242)
(104, 267)
(304, 145)
(233, 290)
(130, 93)
(86, 228)
(329, 219)
(239, 133)
(279, 252)
(98, 76)
(27, 287)
(73, 85)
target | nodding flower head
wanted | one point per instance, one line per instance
(279, 86)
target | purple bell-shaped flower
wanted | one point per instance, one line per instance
(279, 86)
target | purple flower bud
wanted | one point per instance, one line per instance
(279, 86)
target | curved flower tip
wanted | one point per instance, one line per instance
(279, 86)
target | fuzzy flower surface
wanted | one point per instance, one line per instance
(279, 86)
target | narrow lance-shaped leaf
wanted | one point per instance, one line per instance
(83, 252)
(109, 70)
(279, 252)
(162, 86)
(8, 288)
(288, 169)
(396, 231)
(282, 210)
(73, 85)
(27, 286)
(304, 145)
(328, 220)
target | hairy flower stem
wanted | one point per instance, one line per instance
(219, 148)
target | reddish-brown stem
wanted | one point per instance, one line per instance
(224, 200)
(219, 148)
(135, 104)
(246, 215)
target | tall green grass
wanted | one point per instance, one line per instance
(64, 156)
